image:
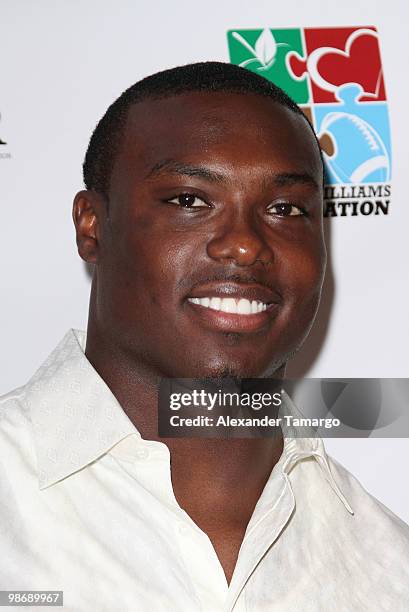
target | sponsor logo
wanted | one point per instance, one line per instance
(335, 75)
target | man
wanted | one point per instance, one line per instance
(203, 219)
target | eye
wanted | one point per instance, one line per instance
(285, 209)
(188, 200)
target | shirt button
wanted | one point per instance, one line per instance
(142, 453)
(183, 529)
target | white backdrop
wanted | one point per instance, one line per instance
(62, 63)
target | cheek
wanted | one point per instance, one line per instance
(145, 269)
(300, 277)
(301, 274)
(304, 266)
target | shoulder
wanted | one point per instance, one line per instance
(15, 424)
(13, 410)
(369, 512)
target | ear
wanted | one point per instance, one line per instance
(88, 213)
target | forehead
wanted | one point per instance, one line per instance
(243, 131)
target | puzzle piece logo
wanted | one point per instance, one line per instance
(268, 52)
(360, 134)
(336, 76)
(337, 56)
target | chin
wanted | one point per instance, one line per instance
(228, 371)
(237, 370)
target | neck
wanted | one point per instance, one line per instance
(197, 478)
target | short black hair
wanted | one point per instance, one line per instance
(202, 76)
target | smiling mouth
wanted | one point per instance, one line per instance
(228, 314)
(230, 305)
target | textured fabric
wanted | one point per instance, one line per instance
(87, 507)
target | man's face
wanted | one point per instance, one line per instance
(215, 204)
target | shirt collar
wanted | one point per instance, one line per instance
(298, 448)
(76, 419)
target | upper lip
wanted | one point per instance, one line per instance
(249, 291)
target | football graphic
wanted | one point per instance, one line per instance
(364, 160)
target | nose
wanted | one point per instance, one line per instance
(241, 241)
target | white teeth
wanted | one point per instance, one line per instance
(231, 305)
(244, 307)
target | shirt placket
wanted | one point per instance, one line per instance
(262, 532)
(151, 467)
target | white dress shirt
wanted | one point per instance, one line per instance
(87, 507)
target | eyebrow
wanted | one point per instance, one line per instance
(282, 179)
(171, 166)
(294, 178)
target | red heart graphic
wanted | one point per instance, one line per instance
(362, 65)
(336, 56)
